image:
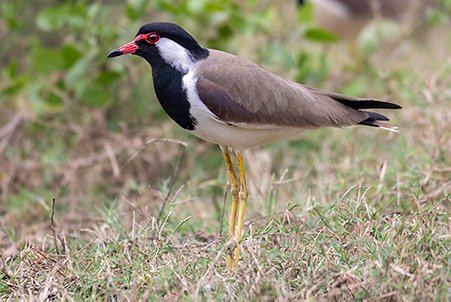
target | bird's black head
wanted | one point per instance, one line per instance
(164, 43)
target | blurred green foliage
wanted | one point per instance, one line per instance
(55, 75)
(55, 53)
(54, 71)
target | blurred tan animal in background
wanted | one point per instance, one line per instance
(346, 18)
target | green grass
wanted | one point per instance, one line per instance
(339, 214)
(348, 249)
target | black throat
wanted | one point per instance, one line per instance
(172, 96)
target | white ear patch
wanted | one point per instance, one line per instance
(174, 54)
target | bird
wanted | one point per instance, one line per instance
(346, 18)
(238, 104)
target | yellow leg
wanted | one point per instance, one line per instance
(243, 198)
(235, 190)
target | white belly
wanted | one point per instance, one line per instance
(239, 136)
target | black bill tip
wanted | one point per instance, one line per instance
(114, 53)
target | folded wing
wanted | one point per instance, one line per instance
(239, 91)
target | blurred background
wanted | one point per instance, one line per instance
(80, 128)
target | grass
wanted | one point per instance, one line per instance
(339, 214)
(349, 249)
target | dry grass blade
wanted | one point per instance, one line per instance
(135, 218)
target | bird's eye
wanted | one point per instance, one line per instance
(153, 38)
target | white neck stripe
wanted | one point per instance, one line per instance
(174, 54)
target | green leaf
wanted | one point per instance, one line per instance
(16, 85)
(76, 17)
(320, 35)
(135, 9)
(95, 96)
(9, 12)
(54, 101)
(305, 13)
(46, 60)
(12, 69)
(35, 93)
(304, 67)
(70, 55)
(52, 18)
(70, 17)
(107, 77)
(76, 76)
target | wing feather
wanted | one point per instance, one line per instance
(238, 90)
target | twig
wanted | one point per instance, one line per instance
(114, 165)
(179, 225)
(8, 130)
(4, 269)
(174, 174)
(221, 219)
(171, 183)
(151, 141)
(56, 237)
(383, 170)
(207, 272)
(53, 226)
(274, 189)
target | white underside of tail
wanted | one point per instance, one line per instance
(387, 127)
(392, 129)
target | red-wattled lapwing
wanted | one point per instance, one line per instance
(237, 104)
(345, 18)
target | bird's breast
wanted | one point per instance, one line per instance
(172, 95)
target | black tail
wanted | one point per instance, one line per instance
(374, 118)
(365, 104)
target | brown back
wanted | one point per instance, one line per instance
(238, 90)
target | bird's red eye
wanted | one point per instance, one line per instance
(153, 38)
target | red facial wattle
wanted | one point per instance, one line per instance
(130, 48)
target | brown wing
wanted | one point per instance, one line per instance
(238, 90)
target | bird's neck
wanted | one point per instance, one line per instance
(179, 57)
(171, 94)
